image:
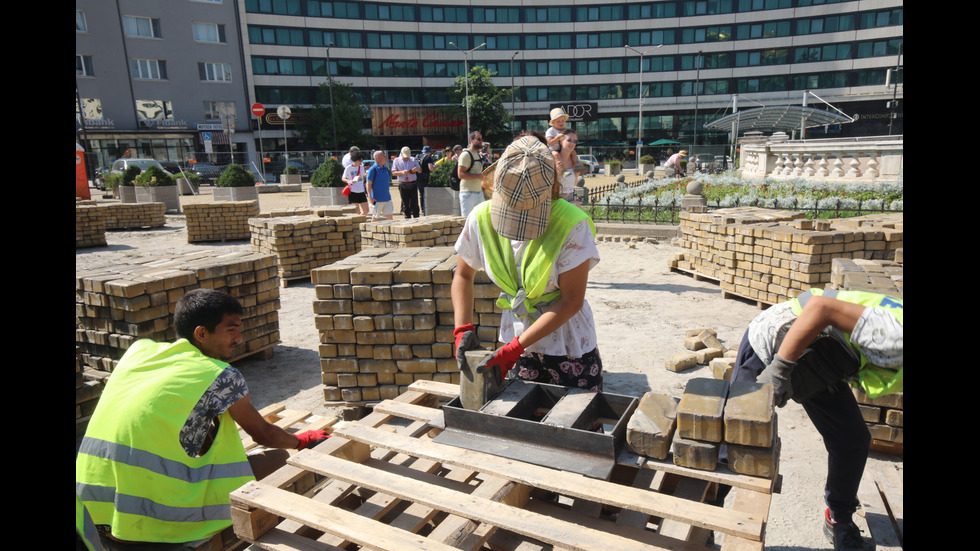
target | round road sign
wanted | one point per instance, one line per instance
(258, 109)
(284, 112)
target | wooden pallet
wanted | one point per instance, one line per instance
(387, 485)
(883, 503)
(292, 419)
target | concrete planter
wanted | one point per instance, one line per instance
(441, 200)
(644, 168)
(185, 187)
(612, 170)
(236, 194)
(327, 197)
(290, 178)
(127, 194)
(160, 194)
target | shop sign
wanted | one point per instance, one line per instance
(578, 112)
(414, 121)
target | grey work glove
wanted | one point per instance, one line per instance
(777, 374)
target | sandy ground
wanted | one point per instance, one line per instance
(642, 310)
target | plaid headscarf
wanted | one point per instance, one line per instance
(521, 202)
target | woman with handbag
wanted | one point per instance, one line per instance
(354, 178)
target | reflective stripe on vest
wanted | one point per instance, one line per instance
(131, 471)
(524, 290)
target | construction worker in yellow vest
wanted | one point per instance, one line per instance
(810, 348)
(161, 452)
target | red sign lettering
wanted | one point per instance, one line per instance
(432, 120)
(393, 122)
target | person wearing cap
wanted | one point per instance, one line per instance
(673, 164)
(425, 162)
(539, 251)
(378, 188)
(555, 126)
(407, 169)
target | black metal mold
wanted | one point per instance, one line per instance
(545, 425)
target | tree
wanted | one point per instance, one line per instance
(317, 124)
(487, 111)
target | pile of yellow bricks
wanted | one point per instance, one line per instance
(385, 319)
(304, 242)
(431, 231)
(89, 225)
(219, 220)
(771, 256)
(121, 303)
(123, 216)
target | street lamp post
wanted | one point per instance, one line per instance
(513, 111)
(333, 114)
(639, 123)
(466, 77)
(697, 85)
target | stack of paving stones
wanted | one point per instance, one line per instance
(885, 417)
(125, 216)
(88, 389)
(705, 349)
(710, 413)
(873, 276)
(89, 225)
(118, 304)
(220, 220)
(304, 242)
(771, 256)
(431, 231)
(385, 319)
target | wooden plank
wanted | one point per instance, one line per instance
(891, 484)
(365, 532)
(442, 390)
(721, 475)
(879, 519)
(695, 490)
(571, 484)
(752, 502)
(414, 412)
(646, 479)
(524, 522)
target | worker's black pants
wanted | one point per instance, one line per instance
(835, 414)
(410, 199)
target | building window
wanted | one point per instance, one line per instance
(214, 72)
(209, 32)
(219, 110)
(81, 26)
(148, 69)
(83, 66)
(141, 27)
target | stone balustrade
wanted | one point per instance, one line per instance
(875, 159)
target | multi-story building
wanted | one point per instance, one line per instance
(695, 59)
(160, 79)
(586, 55)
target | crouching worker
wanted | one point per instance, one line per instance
(161, 452)
(809, 349)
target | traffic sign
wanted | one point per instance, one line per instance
(284, 112)
(258, 109)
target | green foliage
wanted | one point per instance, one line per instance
(112, 181)
(647, 160)
(235, 175)
(317, 124)
(440, 176)
(328, 174)
(129, 176)
(487, 111)
(291, 169)
(154, 176)
(614, 162)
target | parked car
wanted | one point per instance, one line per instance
(591, 162)
(171, 167)
(208, 172)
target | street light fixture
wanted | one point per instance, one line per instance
(513, 111)
(466, 77)
(697, 86)
(639, 125)
(333, 115)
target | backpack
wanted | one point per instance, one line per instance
(454, 178)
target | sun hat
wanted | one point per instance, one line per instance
(682, 153)
(426, 149)
(406, 152)
(522, 185)
(558, 112)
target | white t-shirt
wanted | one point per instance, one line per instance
(577, 336)
(354, 171)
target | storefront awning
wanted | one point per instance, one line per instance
(780, 118)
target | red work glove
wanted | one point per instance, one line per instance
(460, 331)
(311, 437)
(505, 357)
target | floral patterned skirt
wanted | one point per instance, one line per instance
(584, 372)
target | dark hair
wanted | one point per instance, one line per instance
(205, 307)
(474, 133)
(534, 134)
(356, 156)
